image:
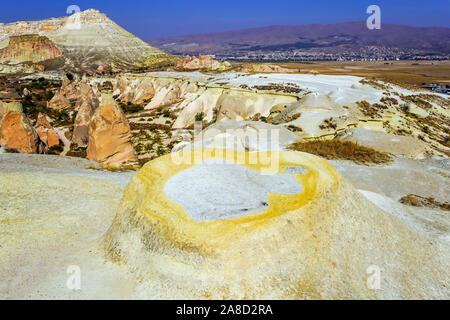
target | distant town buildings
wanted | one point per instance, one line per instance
(437, 88)
(369, 53)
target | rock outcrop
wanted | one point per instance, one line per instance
(29, 48)
(2, 112)
(400, 146)
(9, 94)
(242, 136)
(265, 68)
(81, 126)
(85, 93)
(10, 106)
(202, 62)
(166, 96)
(136, 92)
(72, 94)
(17, 132)
(109, 136)
(314, 107)
(59, 102)
(89, 42)
(87, 103)
(321, 240)
(46, 133)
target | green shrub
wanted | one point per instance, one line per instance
(30, 108)
(199, 116)
(161, 151)
(131, 108)
(49, 95)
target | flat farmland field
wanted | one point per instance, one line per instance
(406, 72)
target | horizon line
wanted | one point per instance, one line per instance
(296, 25)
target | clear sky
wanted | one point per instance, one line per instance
(156, 18)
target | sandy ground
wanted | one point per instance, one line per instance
(54, 213)
(409, 72)
(385, 185)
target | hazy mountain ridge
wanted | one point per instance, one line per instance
(336, 38)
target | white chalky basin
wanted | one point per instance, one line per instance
(208, 191)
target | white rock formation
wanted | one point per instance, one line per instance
(242, 136)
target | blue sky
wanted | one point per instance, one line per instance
(157, 18)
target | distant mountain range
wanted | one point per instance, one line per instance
(336, 39)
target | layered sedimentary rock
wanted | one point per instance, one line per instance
(9, 94)
(29, 48)
(403, 146)
(166, 95)
(89, 41)
(58, 102)
(300, 233)
(87, 101)
(16, 131)
(85, 93)
(264, 68)
(312, 106)
(109, 136)
(73, 94)
(46, 133)
(2, 111)
(32, 27)
(192, 98)
(225, 104)
(202, 62)
(137, 91)
(242, 136)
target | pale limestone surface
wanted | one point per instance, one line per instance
(242, 136)
(321, 107)
(402, 146)
(323, 243)
(215, 196)
(334, 238)
(52, 212)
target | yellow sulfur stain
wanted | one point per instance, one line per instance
(158, 208)
(316, 244)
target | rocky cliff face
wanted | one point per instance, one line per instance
(16, 131)
(46, 133)
(72, 94)
(137, 91)
(81, 126)
(32, 27)
(29, 48)
(109, 136)
(312, 106)
(2, 112)
(89, 41)
(202, 62)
